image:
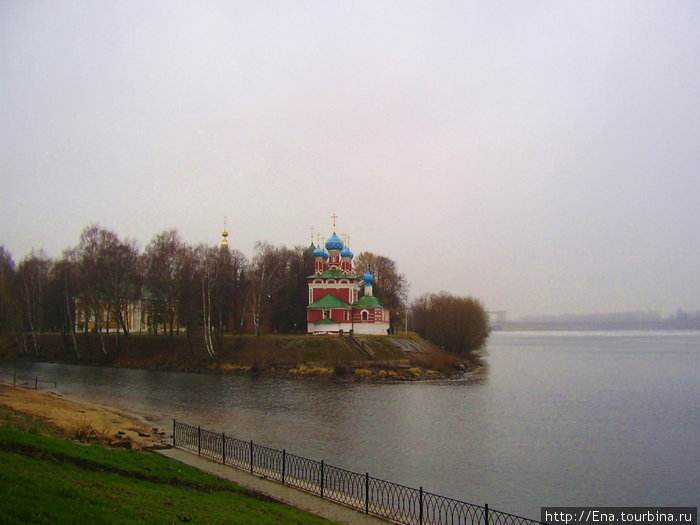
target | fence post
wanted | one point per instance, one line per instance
(486, 514)
(36, 383)
(223, 448)
(199, 440)
(321, 478)
(14, 379)
(251, 456)
(420, 503)
(284, 462)
(366, 492)
(174, 445)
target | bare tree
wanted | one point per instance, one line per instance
(207, 269)
(459, 325)
(239, 275)
(162, 261)
(188, 291)
(108, 277)
(390, 286)
(269, 273)
(33, 274)
(9, 314)
(123, 277)
(63, 291)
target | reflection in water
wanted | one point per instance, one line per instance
(559, 419)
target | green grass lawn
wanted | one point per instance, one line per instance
(45, 479)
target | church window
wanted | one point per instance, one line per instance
(326, 313)
(365, 315)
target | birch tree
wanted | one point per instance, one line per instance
(33, 273)
(207, 262)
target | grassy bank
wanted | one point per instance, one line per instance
(400, 357)
(45, 479)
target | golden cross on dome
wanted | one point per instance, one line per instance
(334, 217)
(312, 235)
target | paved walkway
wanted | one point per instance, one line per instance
(289, 495)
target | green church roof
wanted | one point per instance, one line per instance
(329, 301)
(368, 301)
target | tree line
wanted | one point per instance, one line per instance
(203, 290)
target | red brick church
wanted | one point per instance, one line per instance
(336, 304)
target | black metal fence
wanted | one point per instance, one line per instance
(361, 491)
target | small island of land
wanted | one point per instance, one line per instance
(404, 356)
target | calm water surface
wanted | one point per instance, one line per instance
(567, 418)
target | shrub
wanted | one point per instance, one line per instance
(85, 431)
(459, 325)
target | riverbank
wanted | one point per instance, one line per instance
(38, 413)
(50, 480)
(82, 420)
(399, 357)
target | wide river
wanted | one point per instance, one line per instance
(557, 419)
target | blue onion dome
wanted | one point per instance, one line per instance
(325, 254)
(334, 243)
(345, 252)
(368, 278)
(319, 251)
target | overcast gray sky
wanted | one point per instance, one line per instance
(542, 156)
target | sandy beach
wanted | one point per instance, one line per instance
(108, 425)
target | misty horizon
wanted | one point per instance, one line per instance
(540, 157)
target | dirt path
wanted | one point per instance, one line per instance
(76, 419)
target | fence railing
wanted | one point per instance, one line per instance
(361, 491)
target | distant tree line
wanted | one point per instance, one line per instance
(204, 290)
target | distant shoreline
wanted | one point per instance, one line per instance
(572, 326)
